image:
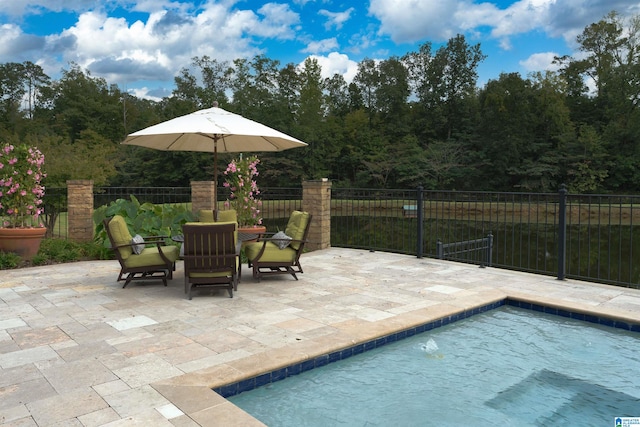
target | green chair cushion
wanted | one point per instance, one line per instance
(206, 215)
(228, 216)
(295, 227)
(121, 235)
(272, 253)
(151, 256)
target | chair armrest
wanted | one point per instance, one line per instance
(153, 239)
(271, 239)
(264, 236)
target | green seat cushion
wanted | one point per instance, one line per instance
(272, 253)
(151, 256)
(121, 236)
(296, 226)
(219, 274)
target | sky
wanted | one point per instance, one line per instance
(141, 45)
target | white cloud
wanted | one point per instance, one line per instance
(413, 21)
(540, 62)
(278, 21)
(336, 19)
(15, 43)
(321, 45)
(438, 20)
(155, 49)
(336, 63)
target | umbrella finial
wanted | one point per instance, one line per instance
(215, 104)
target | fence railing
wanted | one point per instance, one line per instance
(156, 195)
(587, 237)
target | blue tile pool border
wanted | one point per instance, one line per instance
(248, 384)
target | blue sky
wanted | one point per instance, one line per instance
(141, 45)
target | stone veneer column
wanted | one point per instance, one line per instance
(203, 195)
(316, 199)
(80, 207)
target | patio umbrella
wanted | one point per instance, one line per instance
(212, 130)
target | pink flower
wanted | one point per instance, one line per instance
(20, 177)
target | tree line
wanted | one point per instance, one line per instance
(419, 119)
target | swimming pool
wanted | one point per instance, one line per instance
(507, 366)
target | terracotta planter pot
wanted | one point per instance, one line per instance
(22, 241)
(250, 234)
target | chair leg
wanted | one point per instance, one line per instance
(128, 280)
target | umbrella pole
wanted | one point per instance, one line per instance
(215, 177)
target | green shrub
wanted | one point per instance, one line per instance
(53, 251)
(9, 260)
(145, 219)
(40, 259)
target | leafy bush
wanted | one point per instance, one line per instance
(62, 250)
(56, 251)
(146, 219)
(9, 260)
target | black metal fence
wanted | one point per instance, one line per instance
(588, 237)
(156, 195)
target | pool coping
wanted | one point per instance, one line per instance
(201, 394)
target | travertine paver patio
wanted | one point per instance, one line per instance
(76, 349)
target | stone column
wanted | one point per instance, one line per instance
(80, 207)
(316, 199)
(203, 195)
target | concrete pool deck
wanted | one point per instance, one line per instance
(78, 350)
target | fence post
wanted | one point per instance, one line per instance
(80, 210)
(420, 217)
(203, 196)
(316, 199)
(562, 231)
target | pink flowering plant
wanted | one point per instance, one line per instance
(21, 189)
(241, 181)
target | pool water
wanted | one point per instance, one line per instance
(508, 366)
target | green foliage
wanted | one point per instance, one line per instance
(9, 260)
(146, 219)
(63, 250)
(416, 120)
(56, 251)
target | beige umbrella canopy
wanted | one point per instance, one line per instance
(212, 130)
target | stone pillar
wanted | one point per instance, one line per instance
(203, 195)
(80, 207)
(316, 199)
